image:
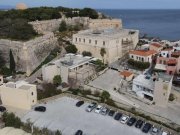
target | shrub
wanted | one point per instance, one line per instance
(171, 97)
(11, 120)
(138, 64)
(86, 53)
(97, 93)
(63, 26)
(86, 92)
(111, 102)
(105, 96)
(49, 90)
(71, 49)
(57, 80)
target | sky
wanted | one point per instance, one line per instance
(99, 4)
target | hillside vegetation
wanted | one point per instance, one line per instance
(14, 23)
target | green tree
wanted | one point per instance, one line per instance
(12, 62)
(171, 97)
(58, 132)
(11, 120)
(71, 49)
(103, 52)
(16, 29)
(88, 12)
(63, 26)
(57, 80)
(105, 96)
(86, 53)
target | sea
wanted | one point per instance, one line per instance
(164, 24)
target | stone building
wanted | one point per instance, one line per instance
(156, 88)
(69, 67)
(142, 55)
(116, 42)
(105, 23)
(19, 95)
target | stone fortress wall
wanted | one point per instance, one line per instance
(28, 55)
(53, 25)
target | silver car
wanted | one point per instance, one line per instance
(104, 111)
(91, 107)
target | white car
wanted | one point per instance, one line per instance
(124, 119)
(164, 133)
(98, 109)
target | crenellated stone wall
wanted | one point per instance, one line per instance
(53, 25)
(28, 55)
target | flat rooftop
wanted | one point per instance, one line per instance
(72, 60)
(145, 81)
(107, 33)
(19, 84)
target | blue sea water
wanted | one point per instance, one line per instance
(164, 24)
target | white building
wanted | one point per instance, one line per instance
(155, 88)
(142, 55)
(70, 66)
(116, 42)
(19, 95)
(166, 52)
(105, 23)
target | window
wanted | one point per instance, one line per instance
(96, 42)
(76, 39)
(84, 40)
(79, 39)
(90, 41)
(132, 56)
(33, 101)
(32, 93)
(104, 42)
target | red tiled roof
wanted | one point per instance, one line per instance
(126, 73)
(168, 49)
(171, 61)
(143, 52)
(156, 45)
(176, 53)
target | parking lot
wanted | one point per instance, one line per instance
(62, 114)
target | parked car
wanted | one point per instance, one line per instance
(139, 124)
(164, 133)
(40, 108)
(131, 121)
(104, 110)
(79, 132)
(154, 131)
(111, 113)
(118, 116)
(98, 109)
(79, 103)
(91, 107)
(146, 127)
(2, 109)
(124, 119)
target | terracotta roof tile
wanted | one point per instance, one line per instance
(171, 61)
(168, 49)
(143, 52)
(126, 73)
(156, 45)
